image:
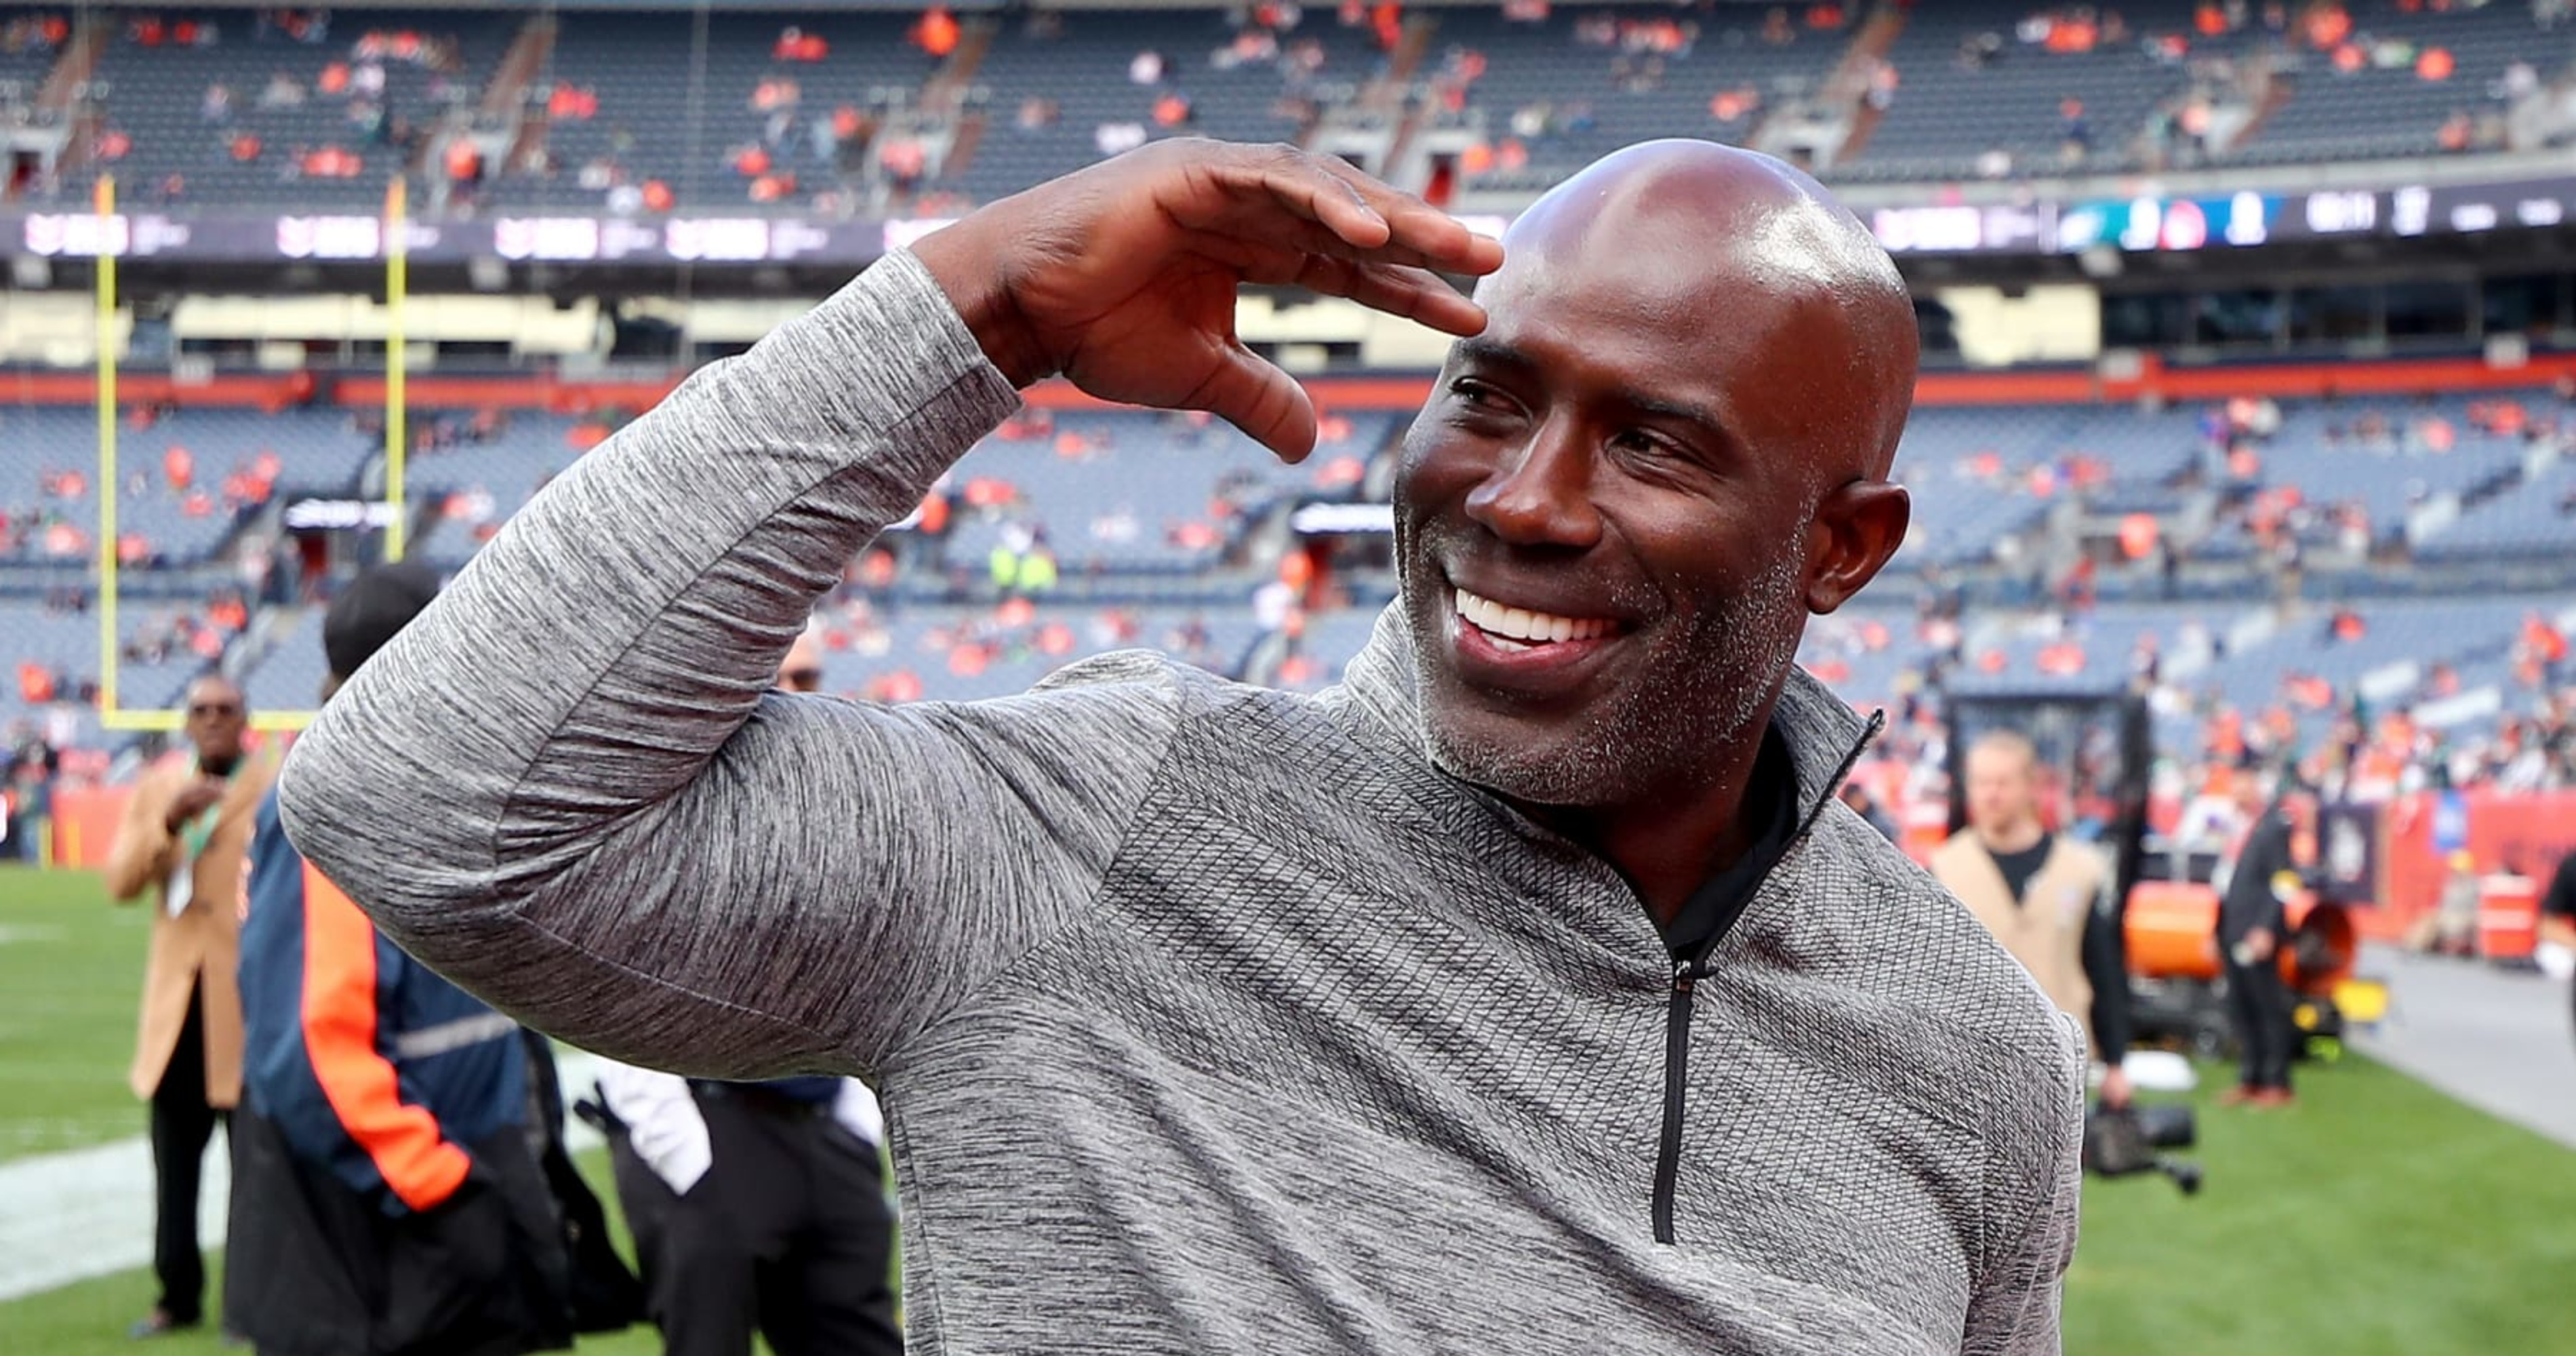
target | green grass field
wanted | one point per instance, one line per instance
(2376, 1218)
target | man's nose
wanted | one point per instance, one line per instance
(1540, 494)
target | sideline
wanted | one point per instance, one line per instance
(69, 1216)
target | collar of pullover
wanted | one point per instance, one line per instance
(1824, 736)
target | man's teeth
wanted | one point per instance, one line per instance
(1521, 624)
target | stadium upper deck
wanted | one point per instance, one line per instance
(887, 109)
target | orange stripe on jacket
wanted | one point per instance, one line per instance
(340, 1039)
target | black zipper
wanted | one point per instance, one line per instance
(1668, 1153)
(1677, 1013)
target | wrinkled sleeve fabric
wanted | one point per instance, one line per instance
(568, 787)
(2034, 1189)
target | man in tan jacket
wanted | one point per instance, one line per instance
(2047, 899)
(182, 843)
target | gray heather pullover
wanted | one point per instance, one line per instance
(1207, 1019)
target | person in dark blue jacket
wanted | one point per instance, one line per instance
(385, 1198)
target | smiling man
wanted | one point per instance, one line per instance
(1529, 992)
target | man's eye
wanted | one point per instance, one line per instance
(1475, 394)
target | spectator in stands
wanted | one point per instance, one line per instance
(283, 91)
(2047, 898)
(217, 106)
(1116, 138)
(182, 841)
(937, 32)
(1145, 68)
(388, 1198)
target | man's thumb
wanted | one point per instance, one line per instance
(1250, 393)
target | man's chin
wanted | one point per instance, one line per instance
(1519, 760)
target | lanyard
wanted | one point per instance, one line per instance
(193, 837)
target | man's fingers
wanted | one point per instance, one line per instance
(1416, 294)
(1438, 239)
(1353, 215)
(1248, 392)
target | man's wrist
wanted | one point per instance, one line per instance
(974, 282)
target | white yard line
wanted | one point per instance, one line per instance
(66, 1217)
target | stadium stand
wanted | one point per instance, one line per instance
(952, 653)
(1586, 80)
(747, 108)
(645, 111)
(231, 106)
(1952, 107)
(189, 477)
(1141, 493)
(1058, 92)
(30, 40)
(53, 653)
(2388, 85)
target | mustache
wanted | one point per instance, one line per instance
(1438, 545)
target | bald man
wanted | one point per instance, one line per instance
(182, 843)
(1529, 991)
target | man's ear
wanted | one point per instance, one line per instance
(1857, 527)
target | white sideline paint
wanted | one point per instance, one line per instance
(66, 1217)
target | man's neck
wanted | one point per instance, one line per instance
(1668, 845)
(213, 766)
(2011, 838)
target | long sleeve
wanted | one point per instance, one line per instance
(663, 1123)
(2032, 1209)
(565, 786)
(2251, 901)
(2106, 970)
(145, 851)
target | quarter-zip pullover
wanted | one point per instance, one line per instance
(1207, 1018)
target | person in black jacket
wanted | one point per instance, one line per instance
(2558, 905)
(2252, 929)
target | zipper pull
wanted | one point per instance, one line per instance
(1668, 1151)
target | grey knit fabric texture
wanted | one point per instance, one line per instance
(1207, 1018)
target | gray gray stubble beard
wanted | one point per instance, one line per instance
(1649, 737)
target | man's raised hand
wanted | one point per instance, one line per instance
(1122, 277)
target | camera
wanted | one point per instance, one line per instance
(2124, 1141)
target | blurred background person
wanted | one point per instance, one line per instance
(181, 842)
(2558, 906)
(2047, 898)
(386, 1194)
(2252, 929)
(757, 1206)
(1865, 805)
